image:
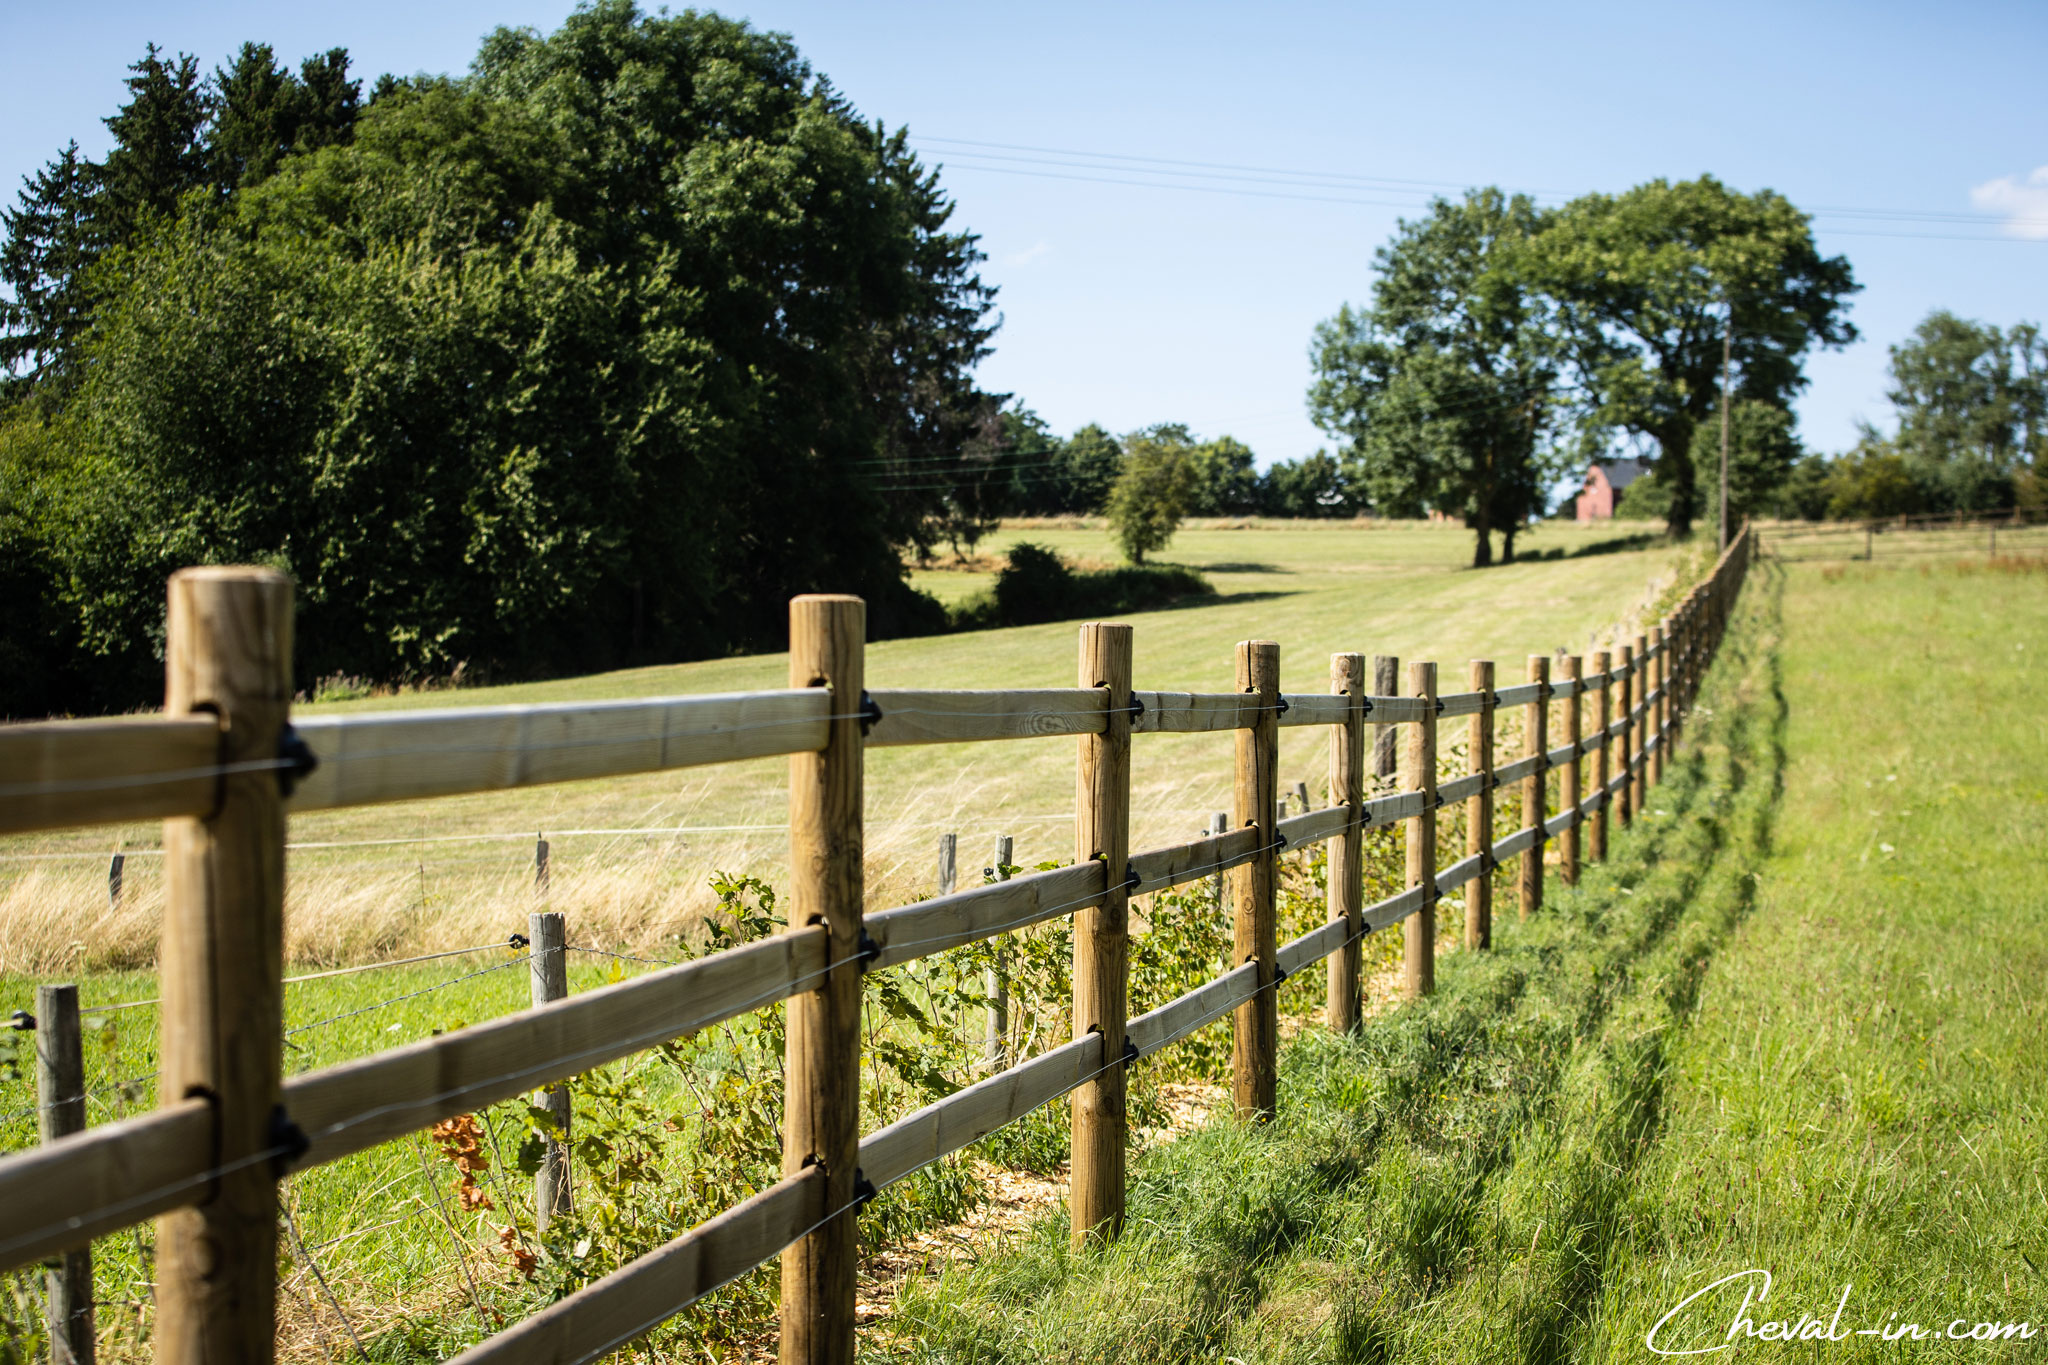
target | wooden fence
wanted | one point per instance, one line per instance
(224, 765)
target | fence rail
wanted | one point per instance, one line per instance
(221, 778)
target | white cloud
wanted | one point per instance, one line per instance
(2024, 203)
(1044, 248)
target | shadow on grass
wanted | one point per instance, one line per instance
(1642, 540)
(1234, 566)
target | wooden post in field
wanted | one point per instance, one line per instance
(1102, 832)
(1535, 741)
(1255, 1031)
(1623, 805)
(1642, 779)
(821, 1092)
(1660, 688)
(1418, 931)
(60, 1097)
(949, 869)
(1479, 812)
(115, 870)
(1345, 879)
(1568, 791)
(548, 974)
(227, 653)
(540, 865)
(1602, 765)
(1386, 682)
(999, 974)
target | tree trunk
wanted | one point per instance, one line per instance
(1507, 543)
(1482, 547)
(1674, 467)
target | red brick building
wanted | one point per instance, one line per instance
(1604, 483)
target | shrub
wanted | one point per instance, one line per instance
(1038, 586)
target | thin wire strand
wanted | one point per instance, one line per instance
(409, 995)
(291, 1222)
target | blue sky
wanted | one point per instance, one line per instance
(1136, 292)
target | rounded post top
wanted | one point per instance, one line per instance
(232, 573)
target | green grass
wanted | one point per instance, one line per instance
(1792, 1024)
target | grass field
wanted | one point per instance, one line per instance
(631, 856)
(1792, 1026)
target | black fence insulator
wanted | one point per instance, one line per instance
(1366, 710)
(298, 758)
(1279, 974)
(1136, 708)
(864, 1190)
(1439, 705)
(868, 951)
(516, 942)
(289, 1138)
(22, 1020)
(1281, 708)
(1131, 878)
(1130, 1051)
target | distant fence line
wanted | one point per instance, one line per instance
(225, 764)
(1926, 533)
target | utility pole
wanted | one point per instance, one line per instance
(1727, 354)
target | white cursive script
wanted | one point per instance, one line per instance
(1745, 1326)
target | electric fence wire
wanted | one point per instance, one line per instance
(312, 1263)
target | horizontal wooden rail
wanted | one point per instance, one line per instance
(1462, 871)
(1520, 695)
(1317, 708)
(118, 1173)
(604, 1315)
(1397, 710)
(1161, 868)
(1184, 713)
(1314, 826)
(932, 926)
(1460, 704)
(60, 773)
(1509, 773)
(1395, 908)
(1521, 841)
(972, 1113)
(356, 1105)
(935, 717)
(1463, 788)
(1560, 822)
(365, 760)
(1204, 1004)
(1561, 755)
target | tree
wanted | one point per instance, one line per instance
(1225, 483)
(159, 152)
(1444, 389)
(1642, 282)
(263, 113)
(1313, 486)
(1151, 494)
(1973, 408)
(1090, 462)
(42, 263)
(1762, 450)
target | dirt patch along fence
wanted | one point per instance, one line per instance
(225, 765)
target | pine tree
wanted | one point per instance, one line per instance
(48, 244)
(256, 117)
(159, 149)
(329, 101)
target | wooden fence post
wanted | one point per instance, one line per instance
(1386, 682)
(1569, 793)
(1102, 832)
(1602, 766)
(999, 975)
(1255, 1032)
(1479, 812)
(1535, 740)
(228, 652)
(1642, 778)
(821, 1093)
(1660, 684)
(60, 1095)
(548, 975)
(1418, 931)
(949, 868)
(115, 870)
(1624, 805)
(1345, 872)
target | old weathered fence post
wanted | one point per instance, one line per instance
(1102, 832)
(1344, 892)
(540, 865)
(1659, 683)
(999, 974)
(949, 863)
(228, 654)
(821, 1103)
(1535, 740)
(1479, 811)
(1642, 781)
(116, 867)
(1624, 804)
(1386, 682)
(548, 975)
(1569, 793)
(1255, 1032)
(1602, 765)
(60, 1097)
(1418, 931)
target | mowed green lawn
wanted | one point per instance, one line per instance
(1793, 1026)
(458, 870)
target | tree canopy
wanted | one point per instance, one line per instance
(1645, 282)
(1445, 387)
